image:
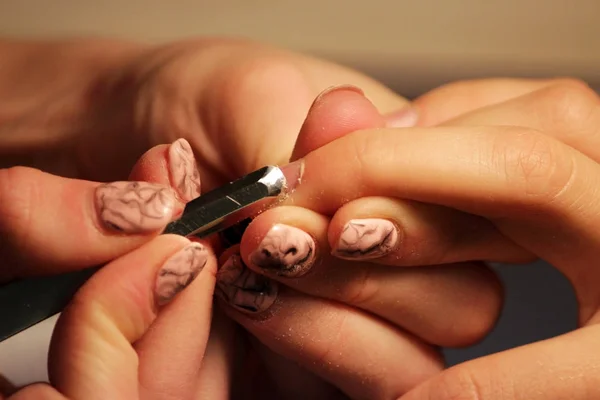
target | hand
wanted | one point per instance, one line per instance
(246, 94)
(240, 105)
(365, 321)
(125, 336)
(527, 161)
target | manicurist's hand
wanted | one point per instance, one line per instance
(122, 338)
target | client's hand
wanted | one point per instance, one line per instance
(526, 160)
(362, 326)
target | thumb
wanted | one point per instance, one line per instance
(51, 224)
(91, 355)
(564, 367)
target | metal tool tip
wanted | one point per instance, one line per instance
(274, 180)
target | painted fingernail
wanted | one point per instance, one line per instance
(135, 207)
(338, 88)
(367, 238)
(285, 251)
(244, 289)
(404, 118)
(179, 271)
(183, 171)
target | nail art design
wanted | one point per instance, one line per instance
(285, 250)
(179, 271)
(183, 171)
(367, 238)
(244, 289)
(134, 207)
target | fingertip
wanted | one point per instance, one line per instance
(173, 165)
(284, 242)
(152, 166)
(336, 112)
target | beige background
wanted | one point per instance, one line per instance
(409, 44)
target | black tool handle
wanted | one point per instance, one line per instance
(26, 302)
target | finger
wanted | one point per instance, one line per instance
(267, 90)
(218, 365)
(454, 99)
(363, 356)
(172, 165)
(91, 356)
(180, 333)
(175, 166)
(406, 233)
(335, 112)
(453, 305)
(558, 368)
(528, 184)
(429, 234)
(567, 110)
(42, 216)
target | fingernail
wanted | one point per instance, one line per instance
(179, 271)
(338, 88)
(243, 289)
(366, 239)
(135, 207)
(286, 251)
(183, 171)
(293, 174)
(404, 118)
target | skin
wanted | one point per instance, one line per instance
(128, 138)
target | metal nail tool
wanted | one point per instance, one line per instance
(26, 302)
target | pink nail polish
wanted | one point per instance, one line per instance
(135, 207)
(367, 239)
(404, 118)
(183, 171)
(243, 289)
(286, 251)
(179, 271)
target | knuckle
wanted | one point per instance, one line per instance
(162, 106)
(368, 153)
(569, 104)
(536, 167)
(258, 76)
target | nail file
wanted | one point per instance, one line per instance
(26, 302)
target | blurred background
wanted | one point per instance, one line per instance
(412, 46)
